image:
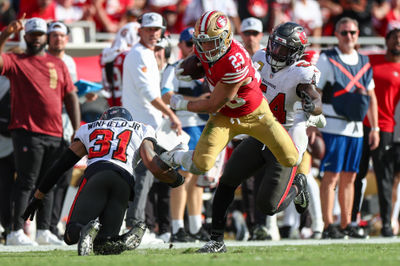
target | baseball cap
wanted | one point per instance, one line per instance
(35, 25)
(251, 24)
(186, 34)
(57, 26)
(152, 19)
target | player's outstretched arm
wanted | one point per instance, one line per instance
(67, 160)
(158, 167)
(310, 98)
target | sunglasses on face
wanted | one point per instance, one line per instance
(345, 32)
(250, 33)
(189, 43)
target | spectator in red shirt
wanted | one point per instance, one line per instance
(109, 17)
(40, 84)
(44, 9)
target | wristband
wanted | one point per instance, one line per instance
(377, 129)
(183, 105)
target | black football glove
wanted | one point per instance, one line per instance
(308, 105)
(34, 205)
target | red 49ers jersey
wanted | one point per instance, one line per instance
(115, 141)
(114, 99)
(233, 67)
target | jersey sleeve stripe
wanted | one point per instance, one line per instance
(235, 79)
(237, 73)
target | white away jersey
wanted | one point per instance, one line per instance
(280, 88)
(115, 141)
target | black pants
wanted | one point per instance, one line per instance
(33, 153)
(383, 161)
(274, 191)
(58, 202)
(7, 171)
(157, 207)
(105, 195)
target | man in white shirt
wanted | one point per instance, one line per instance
(343, 72)
(57, 41)
(141, 95)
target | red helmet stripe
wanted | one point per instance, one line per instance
(204, 21)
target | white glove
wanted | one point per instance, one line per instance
(179, 70)
(177, 102)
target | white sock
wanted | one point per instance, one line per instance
(184, 158)
(291, 217)
(271, 222)
(298, 133)
(194, 223)
(396, 207)
(176, 225)
(317, 224)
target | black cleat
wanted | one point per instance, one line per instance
(88, 234)
(201, 235)
(332, 232)
(213, 246)
(387, 231)
(133, 237)
(302, 199)
(182, 236)
(354, 232)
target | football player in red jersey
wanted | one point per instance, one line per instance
(112, 79)
(236, 102)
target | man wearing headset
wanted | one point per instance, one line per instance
(57, 39)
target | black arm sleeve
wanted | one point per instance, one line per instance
(157, 148)
(67, 160)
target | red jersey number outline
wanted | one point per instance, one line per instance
(303, 64)
(277, 106)
(103, 144)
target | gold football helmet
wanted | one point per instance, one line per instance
(212, 35)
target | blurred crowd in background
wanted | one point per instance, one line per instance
(375, 17)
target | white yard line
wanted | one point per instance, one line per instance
(229, 243)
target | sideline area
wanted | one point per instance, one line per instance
(229, 243)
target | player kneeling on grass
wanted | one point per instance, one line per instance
(114, 145)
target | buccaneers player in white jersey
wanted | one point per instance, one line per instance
(114, 145)
(236, 101)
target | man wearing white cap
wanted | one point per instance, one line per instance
(141, 95)
(57, 36)
(251, 31)
(40, 85)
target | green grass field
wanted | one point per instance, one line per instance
(335, 254)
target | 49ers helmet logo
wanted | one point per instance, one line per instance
(221, 22)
